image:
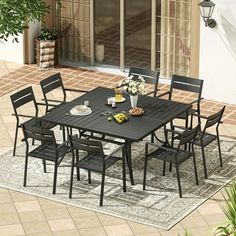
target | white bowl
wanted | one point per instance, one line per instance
(81, 108)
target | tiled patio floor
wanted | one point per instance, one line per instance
(22, 214)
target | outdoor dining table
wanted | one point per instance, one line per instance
(157, 113)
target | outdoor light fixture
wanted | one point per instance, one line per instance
(206, 10)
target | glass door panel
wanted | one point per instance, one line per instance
(107, 32)
(138, 33)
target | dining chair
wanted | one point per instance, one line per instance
(94, 160)
(150, 77)
(48, 150)
(52, 83)
(204, 138)
(173, 155)
(20, 99)
(184, 83)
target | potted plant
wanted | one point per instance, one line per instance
(46, 48)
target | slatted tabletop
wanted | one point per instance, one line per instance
(157, 113)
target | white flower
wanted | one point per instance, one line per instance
(134, 90)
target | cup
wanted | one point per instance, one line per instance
(86, 103)
(113, 104)
(118, 94)
(109, 100)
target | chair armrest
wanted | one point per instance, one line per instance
(162, 147)
(152, 92)
(197, 100)
(201, 116)
(26, 116)
(52, 100)
(115, 151)
(76, 90)
(62, 144)
(163, 94)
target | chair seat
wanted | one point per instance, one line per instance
(46, 151)
(39, 124)
(94, 162)
(169, 156)
(206, 138)
(183, 115)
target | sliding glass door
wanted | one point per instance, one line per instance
(152, 34)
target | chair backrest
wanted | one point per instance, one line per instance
(86, 145)
(23, 97)
(50, 83)
(188, 135)
(150, 76)
(187, 84)
(214, 119)
(39, 134)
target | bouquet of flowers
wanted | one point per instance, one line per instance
(133, 85)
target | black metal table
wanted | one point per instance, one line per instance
(157, 113)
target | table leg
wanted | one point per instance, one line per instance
(128, 160)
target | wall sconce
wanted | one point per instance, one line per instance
(206, 10)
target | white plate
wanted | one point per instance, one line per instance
(75, 112)
(122, 100)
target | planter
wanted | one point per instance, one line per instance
(99, 53)
(46, 53)
(133, 100)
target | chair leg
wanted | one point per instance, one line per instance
(15, 141)
(152, 138)
(26, 167)
(145, 167)
(129, 162)
(204, 161)
(123, 169)
(89, 176)
(102, 188)
(44, 166)
(63, 133)
(55, 177)
(72, 175)
(178, 179)
(170, 167)
(164, 168)
(195, 166)
(77, 163)
(218, 141)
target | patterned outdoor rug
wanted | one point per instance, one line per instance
(158, 206)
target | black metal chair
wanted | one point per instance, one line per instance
(174, 155)
(20, 99)
(150, 77)
(204, 138)
(51, 83)
(94, 160)
(49, 150)
(189, 85)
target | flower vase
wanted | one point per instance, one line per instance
(133, 100)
